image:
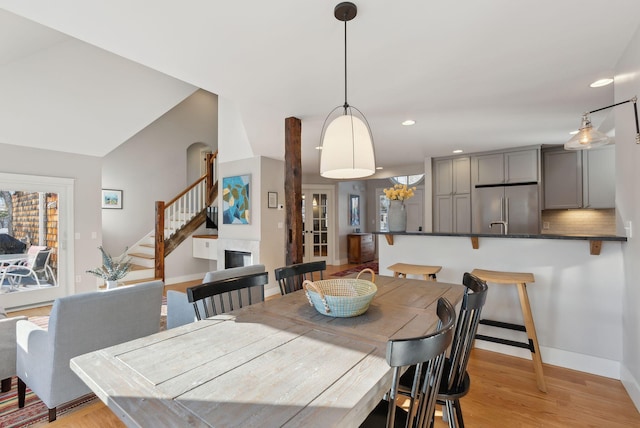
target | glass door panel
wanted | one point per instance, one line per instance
(316, 226)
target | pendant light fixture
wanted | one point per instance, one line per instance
(589, 138)
(346, 142)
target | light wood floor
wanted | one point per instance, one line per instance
(503, 394)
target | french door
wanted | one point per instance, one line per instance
(317, 224)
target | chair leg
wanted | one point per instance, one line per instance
(52, 414)
(456, 404)
(6, 384)
(22, 392)
(451, 413)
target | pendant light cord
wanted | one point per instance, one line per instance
(346, 105)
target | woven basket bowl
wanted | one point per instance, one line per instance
(341, 297)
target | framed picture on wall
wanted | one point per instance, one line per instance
(272, 200)
(112, 199)
(235, 199)
(354, 210)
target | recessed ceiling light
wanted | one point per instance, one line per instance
(601, 82)
(318, 147)
(457, 151)
(574, 132)
(379, 167)
(409, 122)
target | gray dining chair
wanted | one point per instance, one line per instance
(427, 353)
(290, 278)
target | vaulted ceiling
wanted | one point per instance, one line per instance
(84, 77)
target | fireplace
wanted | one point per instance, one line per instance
(236, 259)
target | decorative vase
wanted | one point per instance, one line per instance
(397, 216)
(111, 284)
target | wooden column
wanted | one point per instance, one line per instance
(293, 189)
(159, 240)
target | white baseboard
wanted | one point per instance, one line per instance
(631, 385)
(561, 358)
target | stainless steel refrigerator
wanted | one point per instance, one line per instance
(511, 209)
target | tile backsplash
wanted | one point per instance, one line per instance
(579, 222)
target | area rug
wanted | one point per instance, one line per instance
(34, 410)
(371, 265)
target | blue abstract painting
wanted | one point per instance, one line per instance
(235, 197)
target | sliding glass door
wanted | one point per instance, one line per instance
(36, 248)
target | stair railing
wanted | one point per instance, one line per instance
(176, 219)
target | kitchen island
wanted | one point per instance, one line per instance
(576, 298)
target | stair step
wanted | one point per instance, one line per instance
(138, 267)
(142, 256)
(148, 245)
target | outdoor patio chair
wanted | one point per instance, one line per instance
(36, 267)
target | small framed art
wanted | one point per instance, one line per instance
(112, 199)
(354, 210)
(272, 200)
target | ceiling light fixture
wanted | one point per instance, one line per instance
(409, 122)
(589, 138)
(457, 151)
(347, 143)
(601, 82)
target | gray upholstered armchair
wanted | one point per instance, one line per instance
(180, 311)
(8, 350)
(79, 324)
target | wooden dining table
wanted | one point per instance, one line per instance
(272, 364)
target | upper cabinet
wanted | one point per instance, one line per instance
(518, 166)
(562, 179)
(579, 179)
(452, 176)
(452, 199)
(599, 177)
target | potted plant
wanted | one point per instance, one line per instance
(112, 269)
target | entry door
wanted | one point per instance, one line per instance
(317, 239)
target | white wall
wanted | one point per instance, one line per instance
(152, 166)
(345, 190)
(627, 85)
(576, 299)
(85, 171)
(272, 230)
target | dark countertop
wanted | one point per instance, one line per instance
(520, 235)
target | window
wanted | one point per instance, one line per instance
(409, 180)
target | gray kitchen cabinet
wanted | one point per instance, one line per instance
(562, 179)
(452, 198)
(579, 179)
(517, 166)
(599, 177)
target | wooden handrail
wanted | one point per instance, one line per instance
(210, 160)
(164, 247)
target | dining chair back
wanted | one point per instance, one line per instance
(427, 353)
(290, 278)
(217, 297)
(456, 382)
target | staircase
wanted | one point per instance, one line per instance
(175, 221)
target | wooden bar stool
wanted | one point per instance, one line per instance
(400, 270)
(520, 279)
